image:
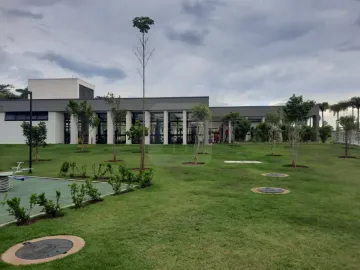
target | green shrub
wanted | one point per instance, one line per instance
(72, 167)
(21, 214)
(64, 168)
(82, 171)
(263, 130)
(101, 170)
(126, 175)
(145, 178)
(49, 207)
(116, 183)
(94, 194)
(325, 133)
(77, 194)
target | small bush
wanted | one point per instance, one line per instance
(49, 207)
(72, 167)
(116, 183)
(77, 194)
(325, 133)
(21, 214)
(64, 168)
(101, 170)
(82, 171)
(94, 194)
(146, 178)
(126, 175)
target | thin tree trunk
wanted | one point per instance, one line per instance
(114, 152)
(346, 145)
(322, 117)
(142, 160)
(36, 154)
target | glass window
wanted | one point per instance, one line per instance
(175, 128)
(25, 116)
(157, 128)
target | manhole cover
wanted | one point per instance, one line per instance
(270, 190)
(275, 174)
(44, 249)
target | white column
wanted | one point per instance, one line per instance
(128, 125)
(92, 134)
(166, 127)
(74, 133)
(230, 131)
(110, 128)
(184, 127)
(206, 131)
(262, 119)
(147, 124)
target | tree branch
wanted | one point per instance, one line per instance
(148, 57)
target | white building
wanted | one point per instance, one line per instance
(168, 118)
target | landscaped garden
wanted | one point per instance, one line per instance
(206, 216)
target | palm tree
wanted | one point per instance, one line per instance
(336, 108)
(323, 107)
(355, 101)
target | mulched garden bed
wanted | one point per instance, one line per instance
(193, 163)
(79, 151)
(38, 218)
(138, 169)
(274, 155)
(347, 157)
(41, 160)
(297, 166)
(79, 177)
(118, 160)
(203, 153)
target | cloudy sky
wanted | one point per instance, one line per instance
(239, 52)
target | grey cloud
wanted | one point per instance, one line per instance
(82, 68)
(200, 9)
(18, 13)
(357, 22)
(191, 37)
(290, 32)
(41, 2)
(10, 38)
(347, 47)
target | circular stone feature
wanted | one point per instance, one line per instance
(270, 190)
(275, 174)
(43, 249)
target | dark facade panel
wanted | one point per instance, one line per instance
(85, 92)
(131, 104)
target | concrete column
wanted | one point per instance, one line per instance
(262, 119)
(128, 125)
(147, 124)
(110, 128)
(206, 131)
(92, 134)
(184, 127)
(230, 131)
(74, 132)
(166, 127)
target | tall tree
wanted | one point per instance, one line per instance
(274, 122)
(356, 104)
(323, 107)
(38, 136)
(118, 115)
(137, 132)
(296, 113)
(336, 109)
(86, 118)
(199, 114)
(143, 55)
(348, 124)
(231, 117)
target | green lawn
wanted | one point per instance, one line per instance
(206, 217)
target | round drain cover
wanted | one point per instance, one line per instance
(43, 249)
(275, 174)
(270, 190)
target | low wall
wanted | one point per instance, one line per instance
(339, 137)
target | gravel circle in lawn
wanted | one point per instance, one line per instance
(270, 190)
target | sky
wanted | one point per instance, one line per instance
(238, 52)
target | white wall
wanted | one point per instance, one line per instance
(11, 131)
(54, 88)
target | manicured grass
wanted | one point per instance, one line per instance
(206, 217)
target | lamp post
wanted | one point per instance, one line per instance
(26, 91)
